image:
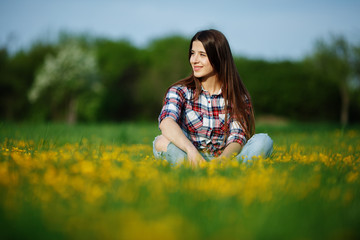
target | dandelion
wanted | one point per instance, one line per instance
(112, 191)
(352, 177)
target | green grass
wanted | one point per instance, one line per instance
(308, 189)
(59, 134)
(144, 132)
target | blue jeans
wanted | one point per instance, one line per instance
(258, 145)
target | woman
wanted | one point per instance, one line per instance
(209, 114)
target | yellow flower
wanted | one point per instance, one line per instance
(352, 177)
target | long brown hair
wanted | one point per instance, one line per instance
(236, 96)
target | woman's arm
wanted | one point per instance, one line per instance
(235, 140)
(231, 149)
(172, 131)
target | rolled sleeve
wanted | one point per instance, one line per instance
(173, 103)
(236, 134)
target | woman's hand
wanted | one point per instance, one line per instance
(195, 157)
(231, 150)
(172, 131)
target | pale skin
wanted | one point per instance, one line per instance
(171, 131)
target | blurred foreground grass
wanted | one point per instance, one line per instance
(101, 182)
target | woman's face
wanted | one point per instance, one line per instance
(199, 61)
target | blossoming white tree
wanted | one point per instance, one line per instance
(64, 77)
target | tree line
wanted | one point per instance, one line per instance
(94, 79)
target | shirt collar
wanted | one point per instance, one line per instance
(215, 94)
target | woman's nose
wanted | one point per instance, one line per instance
(194, 58)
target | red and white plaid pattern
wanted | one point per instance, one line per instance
(202, 120)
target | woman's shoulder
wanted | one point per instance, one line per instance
(180, 90)
(179, 87)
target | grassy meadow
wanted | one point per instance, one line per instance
(101, 181)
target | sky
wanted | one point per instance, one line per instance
(269, 29)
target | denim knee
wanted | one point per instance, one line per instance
(263, 142)
(173, 154)
(258, 145)
(157, 154)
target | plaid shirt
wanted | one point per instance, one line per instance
(202, 120)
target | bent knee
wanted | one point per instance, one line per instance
(263, 142)
(263, 138)
(266, 144)
(161, 143)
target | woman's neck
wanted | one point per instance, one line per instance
(212, 85)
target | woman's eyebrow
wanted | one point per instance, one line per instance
(198, 51)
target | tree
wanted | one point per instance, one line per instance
(120, 67)
(17, 73)
(335, 60)
(287, 89)
(64, 78)
(167, 63)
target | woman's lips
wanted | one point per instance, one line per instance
(197, 68)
